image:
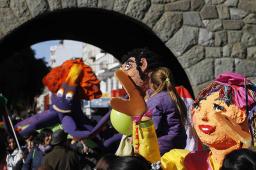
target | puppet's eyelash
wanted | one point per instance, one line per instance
(196, 105)
(218, 107)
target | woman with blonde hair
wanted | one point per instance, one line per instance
(167, 109)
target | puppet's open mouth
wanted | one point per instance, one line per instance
(60, 110)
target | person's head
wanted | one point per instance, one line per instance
(219, 113)
(11, 143)
(138, 63)
(240, 159)
(105, 161)
(161, 79)
(59, 137)
(45, 136)
(130, 163)
(37, 140)
(30, 139)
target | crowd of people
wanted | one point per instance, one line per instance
(180, 131)
(46, 150)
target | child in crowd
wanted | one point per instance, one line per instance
(30, 140)
(45, 138)
(168, 110)
(14, 156)
(41, 145)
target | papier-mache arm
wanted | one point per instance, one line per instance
(145, 140)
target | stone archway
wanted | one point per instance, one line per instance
(206, 36)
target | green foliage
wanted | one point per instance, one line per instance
(21, 78)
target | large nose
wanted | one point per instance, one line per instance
(124, 70)
(122, 67)
(203, 114)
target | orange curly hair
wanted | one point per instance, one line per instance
(88, 84)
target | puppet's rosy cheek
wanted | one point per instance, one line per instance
(194, 115)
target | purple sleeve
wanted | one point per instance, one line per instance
(170, 131)
(101, 123)
(38, 121)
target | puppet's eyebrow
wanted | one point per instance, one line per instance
(129, 60)
(226, 102)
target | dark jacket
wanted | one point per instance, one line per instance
(33, 160)
(169, 128)
(61, 158)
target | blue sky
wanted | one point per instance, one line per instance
(42, 49)
(71, 49)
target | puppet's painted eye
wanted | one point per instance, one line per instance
(127, 66)
(218, 108)
(60, 92)
(69, 96)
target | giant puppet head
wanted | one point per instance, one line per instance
(71, 82)
(221, 111)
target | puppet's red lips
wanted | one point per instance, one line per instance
(207, 129)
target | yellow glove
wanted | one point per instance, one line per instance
(145, 141)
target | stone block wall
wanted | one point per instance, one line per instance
(207, 36)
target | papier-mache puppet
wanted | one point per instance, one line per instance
(69, 83)
(144, 136)
(223, 116)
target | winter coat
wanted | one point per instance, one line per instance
(33, 160)
(169, 128)
(61, 158)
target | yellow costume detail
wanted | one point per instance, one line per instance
(173, 160)
(147, 143)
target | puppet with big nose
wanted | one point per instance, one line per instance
(143, 132)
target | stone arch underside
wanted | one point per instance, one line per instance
(206, 36)
(111, 31)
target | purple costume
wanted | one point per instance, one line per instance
(74, 122)
(169, 129)
(70, 83)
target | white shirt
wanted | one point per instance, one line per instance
(13, 158)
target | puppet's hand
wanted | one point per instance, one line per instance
(135, 105)
(235, 131)
(144, 136)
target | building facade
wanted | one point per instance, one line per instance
(104, 66)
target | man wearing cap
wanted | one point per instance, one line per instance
(60, 157)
